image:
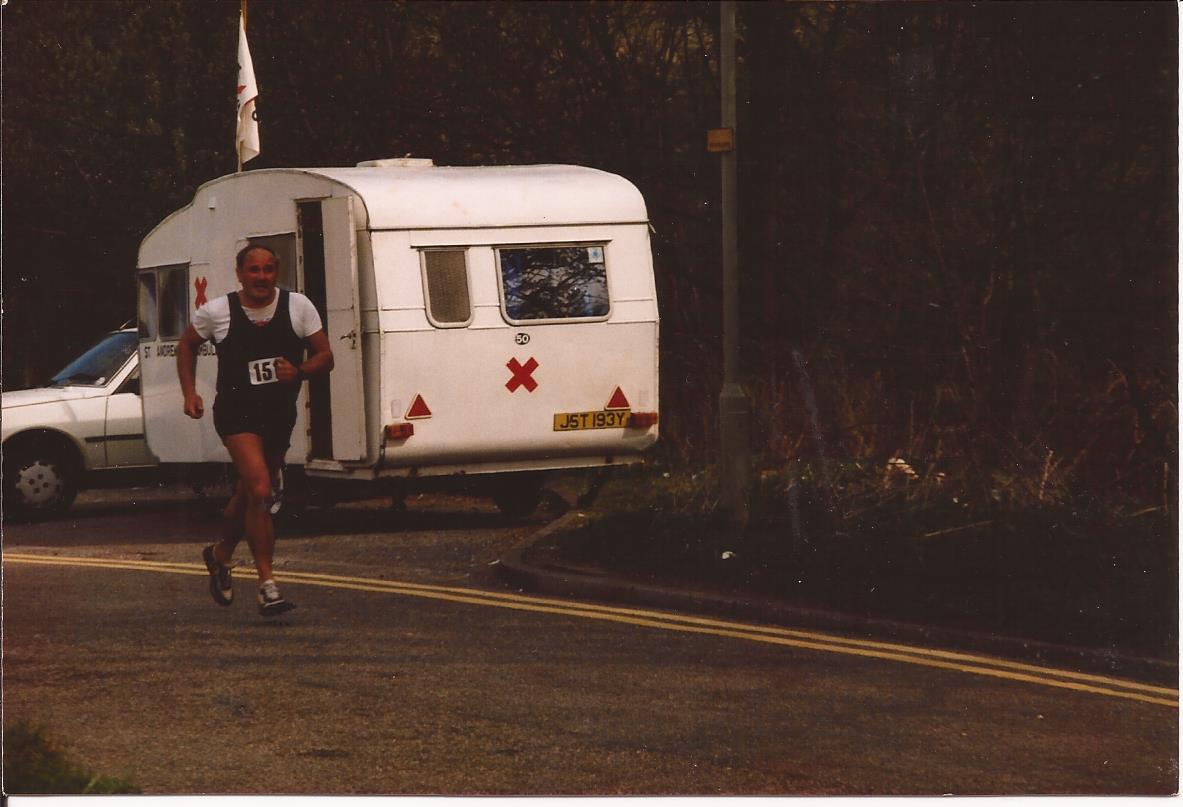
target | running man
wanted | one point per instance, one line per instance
(261, 334)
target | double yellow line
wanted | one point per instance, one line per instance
(785, 637)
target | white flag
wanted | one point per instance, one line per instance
(247, 136)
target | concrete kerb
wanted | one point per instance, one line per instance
(597, 585)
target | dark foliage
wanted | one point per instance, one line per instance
(958, 226)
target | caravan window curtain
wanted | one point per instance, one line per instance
(445, 287)
(553, 282)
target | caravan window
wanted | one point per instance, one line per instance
(164, 302)
(553, 282)
(173, 284)
(147, 305)
(445, 287)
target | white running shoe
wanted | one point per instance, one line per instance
(271, 602)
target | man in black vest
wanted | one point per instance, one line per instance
(261, 334)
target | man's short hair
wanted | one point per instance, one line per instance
(242, 253)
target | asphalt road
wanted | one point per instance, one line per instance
(407, 669)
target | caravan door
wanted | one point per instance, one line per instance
(330, 280)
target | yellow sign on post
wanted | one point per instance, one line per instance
(721, 139)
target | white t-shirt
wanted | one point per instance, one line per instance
(212, 320)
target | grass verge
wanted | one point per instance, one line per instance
(1065, 573)
(36, 764)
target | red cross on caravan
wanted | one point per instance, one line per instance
(200, 284)
(521, 375)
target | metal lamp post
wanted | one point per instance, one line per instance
(734, 408)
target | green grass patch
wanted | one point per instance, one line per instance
(36, 764)
(1066, 572)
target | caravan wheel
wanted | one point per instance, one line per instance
(517, 495)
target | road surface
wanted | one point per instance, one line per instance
(407, 669)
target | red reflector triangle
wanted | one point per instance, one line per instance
(618, 400)
(418, 408)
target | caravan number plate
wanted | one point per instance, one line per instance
(604, 419)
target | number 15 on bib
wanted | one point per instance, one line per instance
(262, 371)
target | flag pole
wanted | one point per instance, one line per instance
(237, 142)
(247, 127)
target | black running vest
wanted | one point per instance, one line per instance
(246, 358)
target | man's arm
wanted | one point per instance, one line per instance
(319, 361)
(187, 372)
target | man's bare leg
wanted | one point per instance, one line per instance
(232, 525)
(254, 490)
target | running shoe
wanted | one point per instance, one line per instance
(221, 587)
(277, 492)
(271, 602)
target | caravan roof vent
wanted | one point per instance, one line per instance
(397, 162)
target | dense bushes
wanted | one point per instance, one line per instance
(958, 221)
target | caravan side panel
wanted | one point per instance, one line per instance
(493, 388)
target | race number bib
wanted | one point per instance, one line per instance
(262, 371)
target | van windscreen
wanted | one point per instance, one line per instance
(553, 282)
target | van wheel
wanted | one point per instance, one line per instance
(517, 495)
(39, 480)
(213, 486)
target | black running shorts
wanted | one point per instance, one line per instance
(275, 427)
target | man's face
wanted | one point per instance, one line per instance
(258, 275)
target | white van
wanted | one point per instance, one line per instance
(484, 320)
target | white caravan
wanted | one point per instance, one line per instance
(484, 320)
